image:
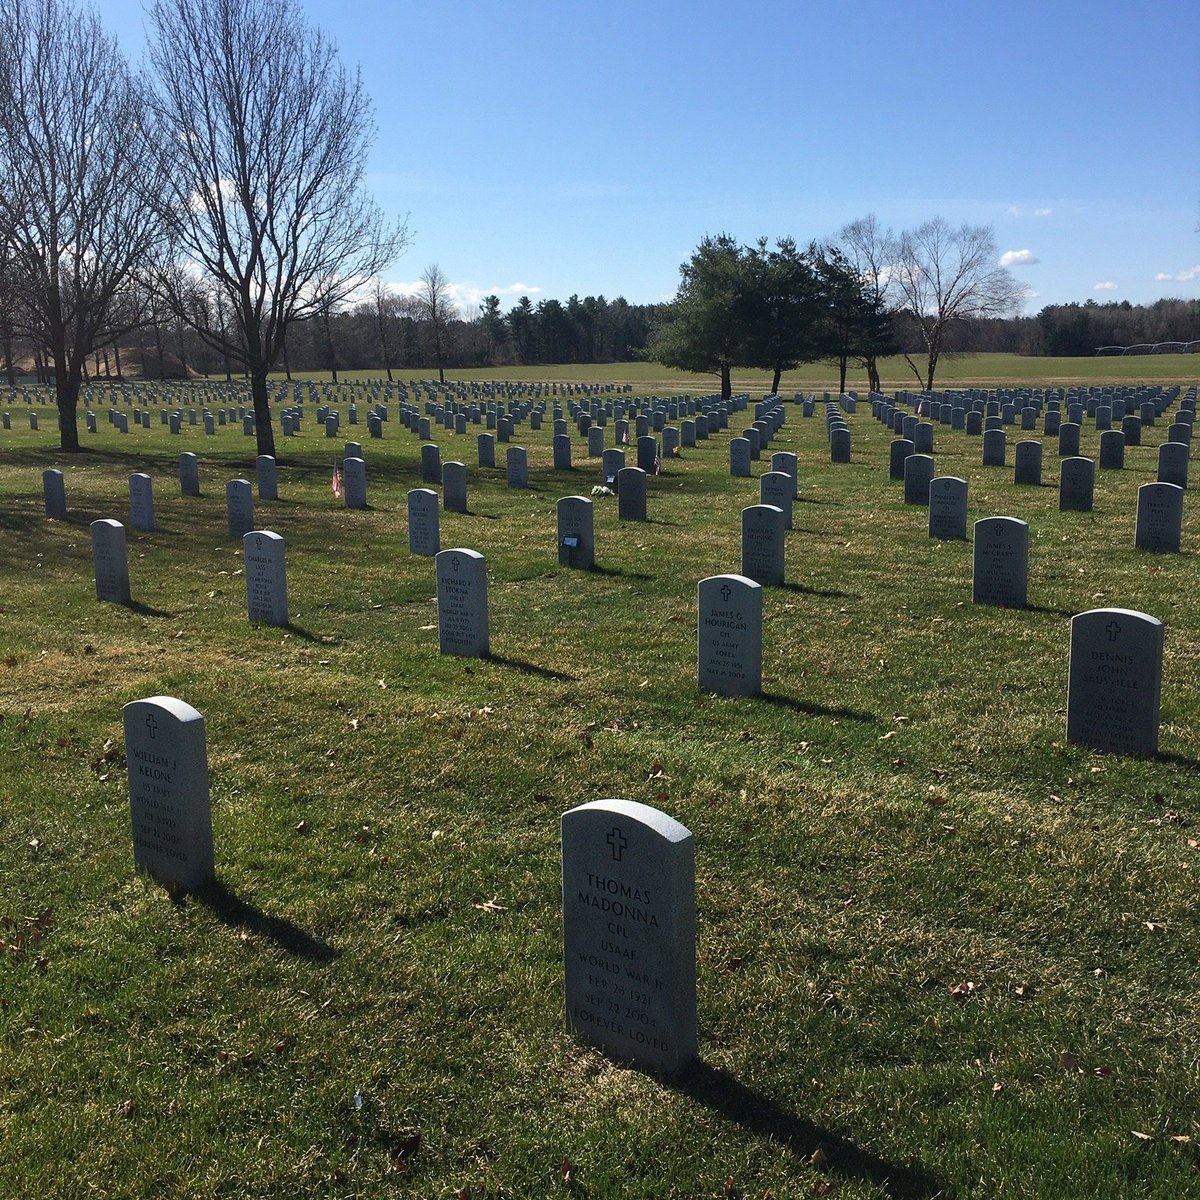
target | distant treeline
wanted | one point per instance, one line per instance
(592, 330)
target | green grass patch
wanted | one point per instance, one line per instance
(370, 1003)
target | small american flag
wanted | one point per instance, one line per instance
(658, 464)
(337, 481)
(625, 438)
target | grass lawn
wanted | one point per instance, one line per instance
(942, 952)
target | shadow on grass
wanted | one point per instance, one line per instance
(145, 610)
(616, 571)
(759, 1115)
(1176, 760)
(816, 710)
(301, 632)
(232, 910)
(1054, 612)
(829, 594)
(528, 668)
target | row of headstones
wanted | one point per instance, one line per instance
(628, 870)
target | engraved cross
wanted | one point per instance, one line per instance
(1112, 629)
(151, 723)
(618, 843)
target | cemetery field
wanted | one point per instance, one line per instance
(942, 952)
(968, 370)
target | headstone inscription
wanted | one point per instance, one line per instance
(462, 603)
(110, 561)
(266, 577)
(948, 508)
(169, 807)
(1115, 682)
(739, 458)
(1000, 573)
(629, 933)
(729, 635)
(1159, 517)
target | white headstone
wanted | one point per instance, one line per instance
(1115, 684)
(169, 806)
(629, 933)
(948, 508)
(1159, 517)
(462, 603)
(141, 502)
(266, 577)
(576, 537)
(1001, 562)
(239, 507)
(729, 635)
(110, 561)
(424, 531)
(762, 544)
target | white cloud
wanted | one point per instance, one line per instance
(1018, 258)
(1013, 210)
(1184, 276)
(467, 296)
(1042, 212)
(1030, 293)
(1105, 285)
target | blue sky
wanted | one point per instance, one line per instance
(550, 148)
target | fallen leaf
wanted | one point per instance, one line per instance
(1068, 1061)
(1180, 1139)
(817, 1158)
(1142, 1137)
(963, 991)
(491, 906)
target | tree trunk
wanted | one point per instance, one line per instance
(117, 356)
(9, 371)
(726, 383)
(775, 379)
(872, 366)
(842, 374)
(264, 433)
(933, 360)
(66, 391)
(287, 365)
(158, 349)
(182, 351)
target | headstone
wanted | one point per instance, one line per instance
(454, 487)
(948, 508)
(1173, 463)
(839, 446)
(923, 438)
(169, 806)
(1000, 573)
(629, 933)
(595, 437)
(901, 449)
(54, 494)
(1068, 440)
(739, 458)
(239, 508)
(762, 544)
(462, 603)
(1112, 450)
(562, 451)
(355, 481)
(631, 494)
(576, 537)
(918, 471)
(1076, 485)
(612, 463)
(1159, 517)
(189, 474)
(778, 488)
(266, 577)
(424, 533)
(729, 635)
(517, 467)
(268, 478)
(995, 442)
(1028, 468)
(110, 561)
(1115, 682)
(141, 502)
(431, 464)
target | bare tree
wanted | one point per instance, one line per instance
(383, 302)
(75, 177)
(873, 253)
(438, 310)
(267, 136)
(945, 276)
